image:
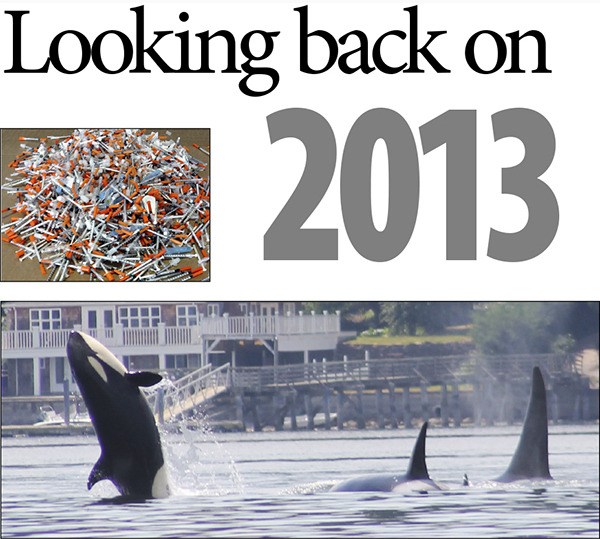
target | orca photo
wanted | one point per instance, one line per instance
(487, 411)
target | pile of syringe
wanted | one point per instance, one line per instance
(117, 204)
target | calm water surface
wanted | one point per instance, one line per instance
(271, 485)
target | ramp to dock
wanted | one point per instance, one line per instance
(174, 399)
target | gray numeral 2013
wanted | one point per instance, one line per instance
(287, 240)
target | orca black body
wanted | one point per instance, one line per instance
(131, 454)
(530, 460)
(417, 471)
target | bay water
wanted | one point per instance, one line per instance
(274, 484)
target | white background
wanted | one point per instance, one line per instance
(251, 179)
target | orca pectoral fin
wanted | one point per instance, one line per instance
(143, 378)
(417, 467)
(99, 472)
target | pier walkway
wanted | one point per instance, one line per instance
(172, 399)
(376, 373)
(295, 386)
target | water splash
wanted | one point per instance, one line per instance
(197, 463)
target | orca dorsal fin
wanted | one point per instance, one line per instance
(143, 378)
(99, 472)
(417, 468)
(530, 460)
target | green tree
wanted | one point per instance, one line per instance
(579, 319)
(534, 327)
(510, 328)
(409, 317)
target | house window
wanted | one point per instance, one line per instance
(289, 308)
(45, 319)
(139, 317)
(108, 319)
(141, 363)
(187, 315)
(182, 361)
(243, 309)
(268, 309)
(212, 309)
(92, 319)
(59, 369)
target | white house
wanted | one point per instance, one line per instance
(163, 336)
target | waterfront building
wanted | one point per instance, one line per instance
(169, 337)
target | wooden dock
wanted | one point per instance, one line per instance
(46, 430)
(390, 392)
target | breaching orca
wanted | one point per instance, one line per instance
(417, 471)
(530, 460)
(131, 454)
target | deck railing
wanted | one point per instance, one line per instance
(22, 340)
(411, 370)
(270, 325)
(222, 326)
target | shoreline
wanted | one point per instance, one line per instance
(31, 431)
